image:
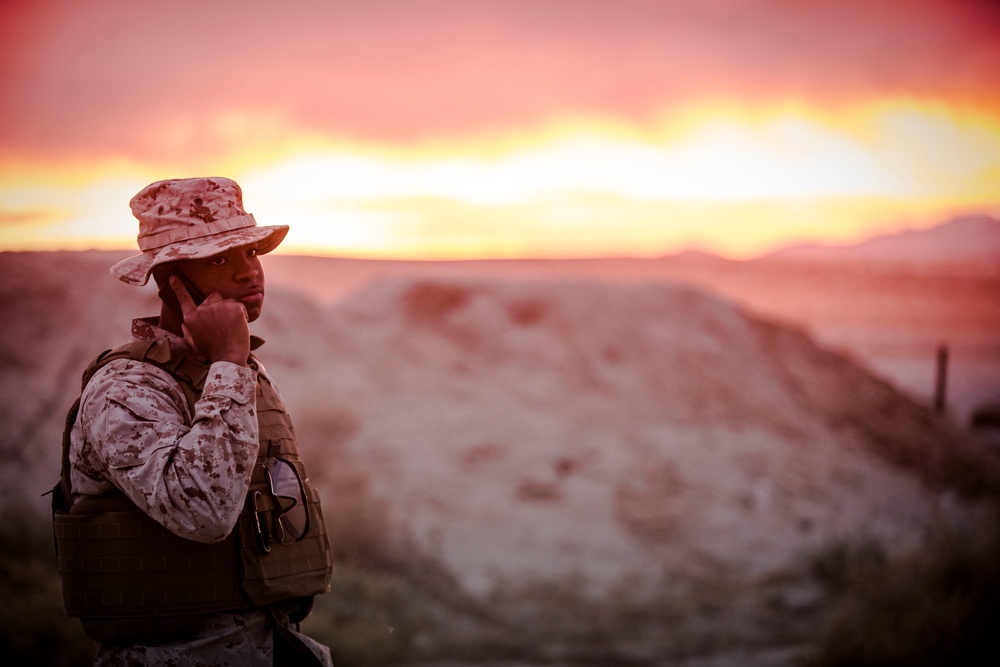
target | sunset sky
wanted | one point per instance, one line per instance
(504, 128)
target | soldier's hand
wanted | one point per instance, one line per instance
(217, 328)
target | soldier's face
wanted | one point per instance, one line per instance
(234, 274)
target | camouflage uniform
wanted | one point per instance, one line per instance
(189, 472)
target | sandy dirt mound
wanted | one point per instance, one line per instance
(607, 431)
(571, 465)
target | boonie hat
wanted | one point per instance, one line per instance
(191, 218)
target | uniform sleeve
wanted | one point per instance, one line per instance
(189, 472)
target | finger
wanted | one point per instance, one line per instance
(188, 339)
(239, 304)
(214, 297)
(183, 296)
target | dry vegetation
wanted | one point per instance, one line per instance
(391, 605)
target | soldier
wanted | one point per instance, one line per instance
(186, 528)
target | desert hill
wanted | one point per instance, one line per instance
(891, 318)
(551, 443)
(605, 430)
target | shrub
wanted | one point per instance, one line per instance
(937, 607)
(367, 618)
(34, 630)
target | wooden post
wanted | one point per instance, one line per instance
(941, 379)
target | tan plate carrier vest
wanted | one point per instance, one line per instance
(131, 580)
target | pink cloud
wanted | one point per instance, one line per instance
(102, 76)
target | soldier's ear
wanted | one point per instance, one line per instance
(160, 273)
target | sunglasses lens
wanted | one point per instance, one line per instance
(293, 521)
(260, 523)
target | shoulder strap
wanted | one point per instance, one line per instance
(62, 493)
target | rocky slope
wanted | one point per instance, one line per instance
(603, 432)
(553, 444)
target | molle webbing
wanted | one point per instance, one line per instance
(290, 568)
(137, 548)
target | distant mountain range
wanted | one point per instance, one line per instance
(964, 240)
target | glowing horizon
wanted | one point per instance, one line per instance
(722, 179)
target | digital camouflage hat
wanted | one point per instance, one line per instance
(191, 218)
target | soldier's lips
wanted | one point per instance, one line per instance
(252, 299)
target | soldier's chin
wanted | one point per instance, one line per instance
(254, 305)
